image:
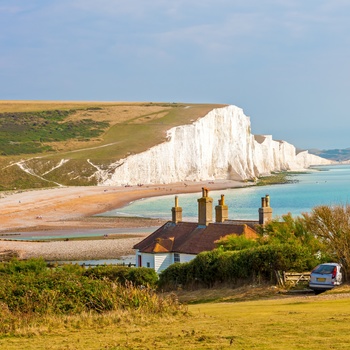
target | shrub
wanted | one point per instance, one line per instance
(22, 266)
(142, 276)
(112, 273)
(175, 275)
(234, 242)
(139, 276)
(70, 290)
(218, 266)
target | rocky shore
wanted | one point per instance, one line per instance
(73, 250)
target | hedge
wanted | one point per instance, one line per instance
(218, 266)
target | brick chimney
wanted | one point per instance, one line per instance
(205, 208)
(221, 210)
(265, 212)
(176, 211)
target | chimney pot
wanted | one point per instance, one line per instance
(221, 210)
(205, 208)
(176, 211)
(265, 212)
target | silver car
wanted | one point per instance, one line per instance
(325, 276)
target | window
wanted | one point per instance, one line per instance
(148, 264)
(176, 257)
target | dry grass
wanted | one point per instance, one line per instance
(133, 128)
(30, 106)
(122, 113)
(114, 115)
(305, 322)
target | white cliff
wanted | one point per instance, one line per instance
(217, 146)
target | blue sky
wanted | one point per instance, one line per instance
(285, 62)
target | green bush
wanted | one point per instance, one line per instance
(21, 266)
(138, 276)
(219, 266)
(142, 276)
(112, 273)
(26, 132)
(234, 242)
(175, 275)
(30, 287)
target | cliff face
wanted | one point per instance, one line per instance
(217, 146)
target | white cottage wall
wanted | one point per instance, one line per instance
(186, 257)
(162, 261)
(147, 260)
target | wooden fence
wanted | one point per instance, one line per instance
(291, 279)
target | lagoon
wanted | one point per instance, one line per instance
(327, 185)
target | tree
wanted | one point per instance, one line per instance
(234, 242)
(294, 233)
(331, 225)
(290, 230)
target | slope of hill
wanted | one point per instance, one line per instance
(44, 144)
(47, 144)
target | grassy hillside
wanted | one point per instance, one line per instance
(64, 142)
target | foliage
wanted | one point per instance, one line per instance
(29, 132)
(276, 178)
(120, 128)
(269, 321)
(234, 242)
(30, 288)
(142, 276)
(292, 231)
(331, 225)
(287, 245)
(23, 267)
(219, 266)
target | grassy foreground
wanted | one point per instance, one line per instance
(304, 322)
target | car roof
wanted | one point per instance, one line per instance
(330, 264)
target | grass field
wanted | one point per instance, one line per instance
(41, 134)
(304, 322)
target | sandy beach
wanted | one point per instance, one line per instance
(73, 207)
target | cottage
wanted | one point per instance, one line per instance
(178, 241)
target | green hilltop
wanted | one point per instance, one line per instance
(46, 143)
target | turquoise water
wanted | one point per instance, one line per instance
(326, 185)
(68, 234)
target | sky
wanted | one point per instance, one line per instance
(286, 63)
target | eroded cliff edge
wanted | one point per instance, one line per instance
(217, 146)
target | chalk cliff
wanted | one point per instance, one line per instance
(217, 146)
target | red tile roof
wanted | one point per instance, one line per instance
(190, 238)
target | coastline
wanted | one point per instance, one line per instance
(75, 207)
(69, 206)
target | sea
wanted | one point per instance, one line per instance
(326, 185)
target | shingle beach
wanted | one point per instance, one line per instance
(74, 207)
(73, 250)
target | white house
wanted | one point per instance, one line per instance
(178, 241)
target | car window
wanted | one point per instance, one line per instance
(324, 269)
